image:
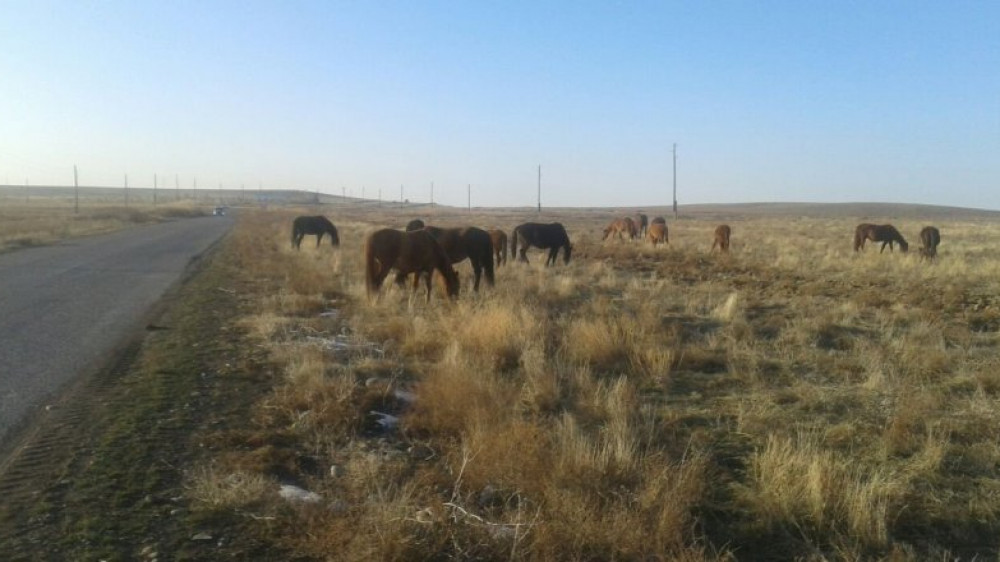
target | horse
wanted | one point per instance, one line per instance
(469, 243)
(659, 220)
(415, 224)
(930, 237)
(318, 225)
(619, 227)
(641, 224)
(499, 239)
(407, 252)
(722, 233)
(545, 236)
(657, 234)
(884, 233)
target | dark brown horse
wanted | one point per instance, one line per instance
(499, 239)
(641, 224)
(722, 233)
(657, 234)
(318, 225)
(884, 233)
(415, 224)
(930, 237)
(544, 236)
(407, 252)
(469, 243)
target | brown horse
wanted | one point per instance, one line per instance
(722, 233)
(469, 243)
(620, 228)
(884, 233)
(659, 220)
(318, 225)
(641, 224)
(930, 237)
(499, 239)
(415, 224)
(657, 234)
(406, 252)
(545, 236)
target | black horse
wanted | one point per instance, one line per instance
(545, 236)
(415, 224)
(884, 233)
(318, 225)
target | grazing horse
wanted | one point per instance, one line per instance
(930, 237)
(545, 236)
(621, 228)
(884, 233)
(499, 239)
(657, 234)
(722, 233)
(415, 224)
(469, 243)
(318, 225)
(641, 224)
(407, 252)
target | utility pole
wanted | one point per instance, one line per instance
(675, 181)
(539, 189)
(76, 189)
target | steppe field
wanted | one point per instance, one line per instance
(792, 399)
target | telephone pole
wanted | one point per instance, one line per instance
(539, 189)
(675, 181)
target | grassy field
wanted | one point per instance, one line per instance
(47, 220)
(792, 399)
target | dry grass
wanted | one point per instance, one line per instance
(43, 221)
(792, 399)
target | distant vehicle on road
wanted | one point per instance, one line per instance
(219, 212)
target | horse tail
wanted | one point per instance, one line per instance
(513, 244)
(371, 268)
(859, 237)
(488, 260)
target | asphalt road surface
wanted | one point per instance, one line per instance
(65, 308)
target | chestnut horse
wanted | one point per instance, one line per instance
(318, 225)
(469, 243)
(415, 224)
(722, 233)
(930, 237)
(499, 239)
(621, 227)
(884, 233)
(545, 236)
(406, 252)
(657, 234)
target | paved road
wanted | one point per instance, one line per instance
(64, 308)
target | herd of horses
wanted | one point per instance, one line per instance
(421, 250)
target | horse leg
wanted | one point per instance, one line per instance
(553, 254)
(524, 255)
(319, 238)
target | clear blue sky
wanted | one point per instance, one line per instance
(767, 101)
